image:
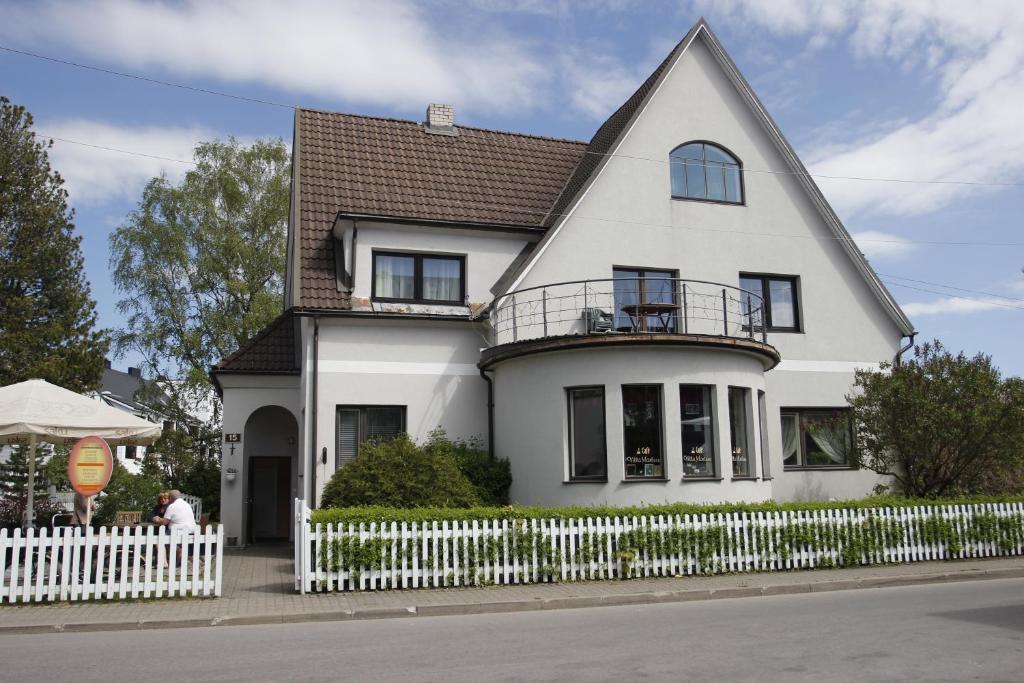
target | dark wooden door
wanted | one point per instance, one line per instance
(270, 498)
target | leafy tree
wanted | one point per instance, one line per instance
(398, 473)
(47, 316)
(187, 459)
(126, 491)
(939, 423)
(200, 264)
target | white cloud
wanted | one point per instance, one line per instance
(384, 53)
(882, 245)
(94, 175)
(598, 83)
(954, 305)
(971, 51)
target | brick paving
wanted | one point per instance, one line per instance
(259, 588)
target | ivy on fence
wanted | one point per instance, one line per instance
(359, 556)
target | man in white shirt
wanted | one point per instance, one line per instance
(178, 518)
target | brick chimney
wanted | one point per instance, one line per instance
(440, 120)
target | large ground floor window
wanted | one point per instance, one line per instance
(739, 419)
(357, 424)
(641, 431)
(816, 437)
(696, 416)
(587, 447)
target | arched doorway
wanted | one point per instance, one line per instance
(271, 433)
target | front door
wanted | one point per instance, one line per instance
(270, 498)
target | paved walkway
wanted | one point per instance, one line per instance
(259, 589)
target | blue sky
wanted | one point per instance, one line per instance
(909, 91)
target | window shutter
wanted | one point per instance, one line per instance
(348, 436)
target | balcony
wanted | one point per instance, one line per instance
(625, 310)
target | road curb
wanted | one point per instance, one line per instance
(509, 606)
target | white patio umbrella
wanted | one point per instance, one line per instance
(36, 410)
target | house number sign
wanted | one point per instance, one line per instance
(232, 438)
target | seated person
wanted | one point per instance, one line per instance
(178, 517)
(162, 501)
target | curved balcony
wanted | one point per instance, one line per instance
(625, 310)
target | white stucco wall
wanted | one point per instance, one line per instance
(628, 218)
(428, 367)
(531, 422)
(487, 254)
(244, 395)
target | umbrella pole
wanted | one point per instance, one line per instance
(30, 511)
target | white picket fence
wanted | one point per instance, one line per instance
(115, 563)
(377, 556)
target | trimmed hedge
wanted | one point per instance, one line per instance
(368, 514)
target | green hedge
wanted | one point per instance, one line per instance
(428, 514)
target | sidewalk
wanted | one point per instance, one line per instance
(259, 590)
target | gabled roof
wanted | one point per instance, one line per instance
(612, 132)
(390, 167)
(271, 351)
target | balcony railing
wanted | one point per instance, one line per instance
(633, 305)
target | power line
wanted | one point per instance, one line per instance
(958, 289)
(968, 298)
(123, 74)
(114, 149)
(256, 100)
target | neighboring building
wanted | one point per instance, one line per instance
(124, 390)
(658, 318)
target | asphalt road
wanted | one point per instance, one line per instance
(972, 631)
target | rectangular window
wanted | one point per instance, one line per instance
(130, 452)
(587, 446)
(645, 300)
(423, 278)
(641, 431)
(739, 418)
(355, 425)
(762, 417)
(696, 414)
(778, 308)
(817, 437)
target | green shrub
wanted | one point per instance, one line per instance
(378, 513)
(127, 492)
(398, 473)
(490, 478)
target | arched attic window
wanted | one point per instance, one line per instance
(702, 170)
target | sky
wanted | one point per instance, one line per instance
(914, 105)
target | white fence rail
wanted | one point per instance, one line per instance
(116, 563)
(377, 556)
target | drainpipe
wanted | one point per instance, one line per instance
(490, 413)
(898, 360)
(313, 459)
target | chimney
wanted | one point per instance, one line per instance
(134, 372)
(106, 363)
(440, 120)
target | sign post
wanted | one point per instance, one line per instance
(89, 468)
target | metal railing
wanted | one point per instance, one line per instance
(627, 305)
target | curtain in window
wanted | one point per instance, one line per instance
(790, 437)
(830, 435)
(394, 277)
(442, 279)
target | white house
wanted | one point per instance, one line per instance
(668, 312)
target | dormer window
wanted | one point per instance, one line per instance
(701, 170)
(418, 278)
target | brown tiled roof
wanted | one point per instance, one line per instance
(389, 167)
(270, 351)
(608, 133)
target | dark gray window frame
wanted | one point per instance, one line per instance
(801, 436)
(418, 257)
(765, 278)
(570, 414)
(661, 432)
(363, 409)
(739, 167)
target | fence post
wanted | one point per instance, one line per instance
(686, 318)
(725, 315)
(544, 309)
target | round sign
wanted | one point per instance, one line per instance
(90, 465)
